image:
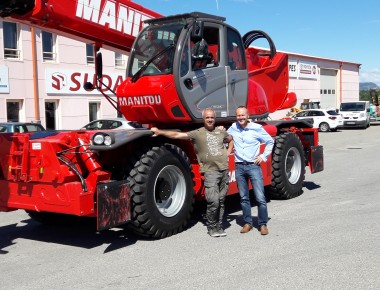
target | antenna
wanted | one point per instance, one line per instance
(217, 5)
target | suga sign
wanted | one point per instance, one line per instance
(69, 82)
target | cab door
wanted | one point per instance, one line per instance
(209, 82)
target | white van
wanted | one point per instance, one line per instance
(355, 114)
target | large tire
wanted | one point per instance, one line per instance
(162, 192)
(288, 167)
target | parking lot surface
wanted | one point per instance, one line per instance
(327, 238)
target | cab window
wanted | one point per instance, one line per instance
(236, 58)
(205, 51)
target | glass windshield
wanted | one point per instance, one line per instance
(153, 44)
(352, 106)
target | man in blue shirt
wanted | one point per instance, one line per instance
(247, 138)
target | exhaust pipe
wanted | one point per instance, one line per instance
(18, 7)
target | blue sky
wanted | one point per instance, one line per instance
(342, 30)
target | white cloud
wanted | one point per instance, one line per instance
(371, 75)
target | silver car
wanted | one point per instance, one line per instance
(111, 123)
(20, 127)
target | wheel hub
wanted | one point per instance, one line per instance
(163, 189)
(293, 165)
(170, 190)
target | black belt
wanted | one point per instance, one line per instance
(245, 163)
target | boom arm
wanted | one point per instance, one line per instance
(105, 23)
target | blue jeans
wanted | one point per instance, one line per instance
(243, 174)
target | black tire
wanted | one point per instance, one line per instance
(162, 192)
(324, 127)
(288, 167)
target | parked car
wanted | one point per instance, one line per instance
(20, 127)
(325, 120)
(112, 123)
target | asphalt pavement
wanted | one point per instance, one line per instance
(327, 238)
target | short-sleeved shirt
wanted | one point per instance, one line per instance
(210, 149)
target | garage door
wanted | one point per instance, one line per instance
(328, 88)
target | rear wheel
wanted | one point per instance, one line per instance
(161, 191)
(324, 127)
(288, 172)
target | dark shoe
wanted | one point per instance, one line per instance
(222, 233)
(264, 230)
(213, 233)
(246, 228)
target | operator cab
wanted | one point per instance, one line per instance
(200, 56)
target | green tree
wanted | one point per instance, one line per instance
(364, 95)
(370, 95)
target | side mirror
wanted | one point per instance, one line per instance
(197, 32)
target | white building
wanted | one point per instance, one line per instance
(42, 77)
(320, 79)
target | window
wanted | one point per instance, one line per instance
(93, 109)
(205, 51)
(90, 55)
(13, 111)
(236, 59)
(185, 59)
(11, 40)
(120, 60)
(51, 114)
(49, 46)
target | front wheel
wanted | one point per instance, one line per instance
(288, 166)
(161, 192)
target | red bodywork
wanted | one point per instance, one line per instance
(33, 178)
(150, 100)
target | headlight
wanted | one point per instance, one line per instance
(98, 139)
(107, 140)
(103, 139)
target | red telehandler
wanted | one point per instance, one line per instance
(178, 65)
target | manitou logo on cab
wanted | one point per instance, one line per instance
(140, 100)
(113, 15)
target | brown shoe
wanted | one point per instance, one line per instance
(264, 230)
(246, 228)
